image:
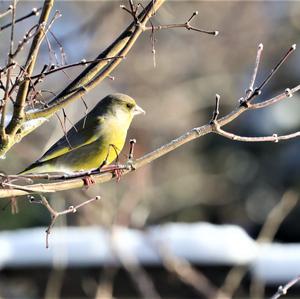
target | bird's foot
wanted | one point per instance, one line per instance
(88, 180)
(117, 170)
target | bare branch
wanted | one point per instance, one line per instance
(277, 66)
(18, 114)
(250, 90)
(83, 62)
(28, 35)
(54, 214)
(288, 93)
(75, 180)
(8, 75)
(189, 275)
(34, 12)
(216, 110)
(277, 215)
(282, 290)
(7, 12)
(97, 72)
(275, 218)
(187, 25)
(274, 138)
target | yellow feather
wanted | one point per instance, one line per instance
(101, 139)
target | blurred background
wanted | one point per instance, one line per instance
(211, 179)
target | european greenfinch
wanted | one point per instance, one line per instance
(95, 140)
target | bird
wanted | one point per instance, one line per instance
(95, 140)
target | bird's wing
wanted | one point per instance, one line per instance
(75, 138)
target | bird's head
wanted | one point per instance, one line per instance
(118, 105)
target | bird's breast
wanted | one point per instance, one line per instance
(114, 132)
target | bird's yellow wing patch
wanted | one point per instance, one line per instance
(75, 138)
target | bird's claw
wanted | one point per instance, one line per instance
(88, 181)
(115, 169)
(118, 172)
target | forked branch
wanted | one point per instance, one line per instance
(187, 25)
(214, 126)
(55, 214)
(96, 72)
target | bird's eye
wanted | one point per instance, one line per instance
(129, 106)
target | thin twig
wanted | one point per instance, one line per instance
(34, 12)
(277, 215)
(288, 93)
(26, 188)
(64, 130)
(82, 62)
(277, 66)
(271, 225)
(97, 72)
(274, 138)
(18, 113)
(251, 93)
(61, 49)
(255, 70)
(88, 79)
(122, 218)
(28, 35)
(282, 290)
(7, 12)
(132, 142)
(187, 25)
(8, 75)
(216, 112)
(189, 275)
(218, 130)
(54, 214)
(77, 182)
(138, 275)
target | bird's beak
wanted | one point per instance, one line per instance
(138, 110)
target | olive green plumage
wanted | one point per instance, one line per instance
(97, 137)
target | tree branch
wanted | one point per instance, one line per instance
(18, 114)
(78, 182)
(214, 126)
(187, 25)
(83, 62)
(9, 135)
(282, 290)
(274, 219)
(97, 72)
(55, 214)
(7, 12)
(87, 80)
(34, 12)
(8, 74)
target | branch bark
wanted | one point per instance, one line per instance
(97, 72)
(87, 80)
(19, 105)
(144, 160)
(8, 135)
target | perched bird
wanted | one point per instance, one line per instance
(96, 139)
